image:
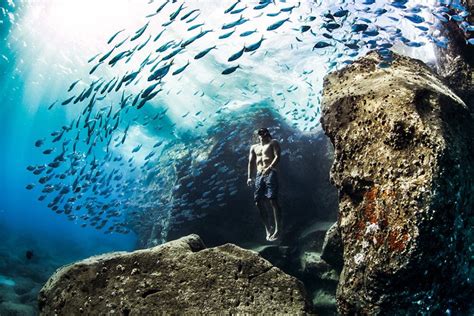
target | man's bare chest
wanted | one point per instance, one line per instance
(264, 150)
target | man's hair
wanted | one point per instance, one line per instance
(263, 132)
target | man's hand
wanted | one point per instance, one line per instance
(249, 182)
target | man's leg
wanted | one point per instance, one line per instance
(277, 217)
(271, 193)
(264, 217)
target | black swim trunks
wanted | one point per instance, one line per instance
(266, 185)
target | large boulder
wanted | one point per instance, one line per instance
(404, 153)
(178, 277)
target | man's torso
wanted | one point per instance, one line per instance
(264, 154)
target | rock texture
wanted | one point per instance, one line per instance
(455, 63)
(179, 277)
(404, 153)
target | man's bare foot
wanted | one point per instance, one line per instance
(274, 237)
(269, 232)
(268, 235)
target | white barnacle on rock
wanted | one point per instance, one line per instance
(358, 258)
(120, 267)
(372, 228)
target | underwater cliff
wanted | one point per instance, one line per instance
(128, 125)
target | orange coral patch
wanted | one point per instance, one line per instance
(369, 210)
(397, 240)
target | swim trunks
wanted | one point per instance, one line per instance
(266, 185)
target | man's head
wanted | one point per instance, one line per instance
(263, 132)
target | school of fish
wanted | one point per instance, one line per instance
(91, 181)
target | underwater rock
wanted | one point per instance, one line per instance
(179, 277)
(332, 248)
(321, 281)
(404, 152)
(455, 62)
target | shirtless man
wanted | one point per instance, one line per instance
(266, 156)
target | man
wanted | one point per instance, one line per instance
(266, 156)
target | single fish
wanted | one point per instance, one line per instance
(51, 105)
(262, 5)
(73, 85)
(273, 14)
(289, 9)
(331, 26)
(176, 13)
(226, 35)
(181, 69)
(193, 18)
(92, 58)
(380, 11)
(118, 57)
(144, 44)
(114, 36)
(161, 7)
(106, 55)
(158, 36)
(341, 13)
(192, 39)
(187, 15)
(247, 33)
(67, 100)
(39, 143)
(321, 44)
(414, 44)
(230, 70)
(239, 21)
(305, 28)
(121, 43)
(373, 32)
(204, 52)
(237, 55)
(173, 53)
(414, 18)
(195, 26)
(161, 72)
(151, 154)
(232, 7)
(139, 32)
(276, 25)
(148, 90)
(254, 46)
(237, 11)
(359, 27)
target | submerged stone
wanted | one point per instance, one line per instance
(404, 170)
(178, 277)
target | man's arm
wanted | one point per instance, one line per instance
(251, 164)
(276, 154)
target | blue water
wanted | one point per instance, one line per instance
(41, 57)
